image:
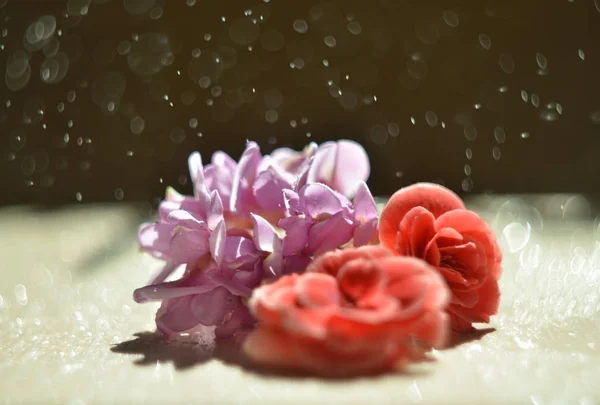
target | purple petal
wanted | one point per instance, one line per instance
(268, 189)
(198, 181)
(155, 239)
(210, 308)
(184, 219)
(175, 315)
(240, 318)
(242, 199)
(217, 242)
(351, 167)
(364, 232)
(319, 200)
(273, 264)
(234, 285)
(296, 233)
(296, 264)
(323, 164)
(189, 245)
(239, 250)
(291, 201)
(188, 204)
(365, 208)
(223, 160)
(214, 212)
(249, 279)
(265, 236)
(171, 289)
(329, 234)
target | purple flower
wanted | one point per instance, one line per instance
(226, 236)
(341, 165)
(321, 219)
(206, 295)
(188, 227)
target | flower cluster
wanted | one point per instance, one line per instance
(250, 221)
(290, 246)
(375, 308)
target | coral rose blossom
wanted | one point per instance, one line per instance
(354, 311)
(430, 222)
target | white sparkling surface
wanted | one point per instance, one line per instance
(65, 302)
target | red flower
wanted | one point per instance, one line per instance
(430, 222)
(354, 311)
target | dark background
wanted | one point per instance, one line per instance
(425, 60)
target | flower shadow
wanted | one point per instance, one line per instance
(457, 339)
(182, 354)
(154, 348)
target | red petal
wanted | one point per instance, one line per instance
(432, 197)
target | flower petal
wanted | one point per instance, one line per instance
(296, 233)
(155, 239)
(242, 198)
(175, 315)
(197, 174)
(364, 232)
(265, 236)
(189, 245)
(319, 200)
(329, 234)
(168, 290)
(210, 308)
(351, 167)
(268, 189)
(433, 197)
(365, 208)
(317, 290)
(217, 242)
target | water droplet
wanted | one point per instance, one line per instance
(450, 18)
(470, 132)
(136, 125)
(467, 170)
(524, 135)
(378, 134)
(300, 26)
(330, 41)
(293, 124)
(507, 63)
(119, 194)
(516, 236)
(500, 135)
(193, 123)
(485, 41)
(78, 196)
(188, 97)
(271, 116)
(530, 257)
(549, 115)
(177, 135)
(21, 294)
(524, 96)
(393, 129)
(354, 28)
(496, 153)
(535, 100)
(431, 118)
(581, 54)
(469, 153)
(348, 100)
(541, 60)
(467, 184)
